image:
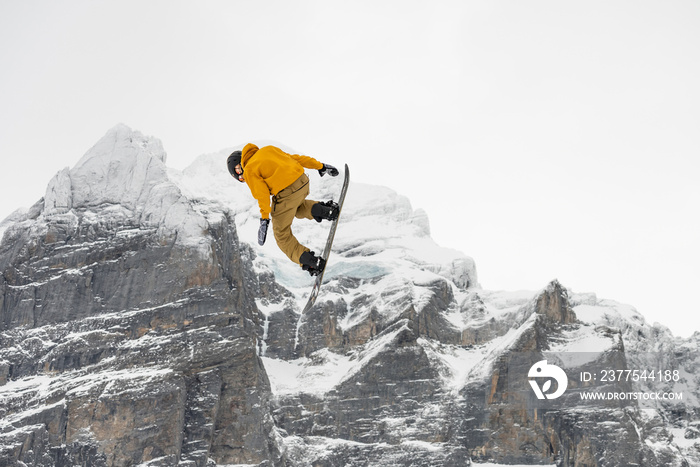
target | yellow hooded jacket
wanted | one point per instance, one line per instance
(270, 170)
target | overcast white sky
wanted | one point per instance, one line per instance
(545, 139)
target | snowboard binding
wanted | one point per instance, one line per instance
(311, 263)
(327, 210)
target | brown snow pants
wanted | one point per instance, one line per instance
(286, 205)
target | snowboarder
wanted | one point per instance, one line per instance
(269, 171)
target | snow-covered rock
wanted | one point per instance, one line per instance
(141, 324)
(126, 171)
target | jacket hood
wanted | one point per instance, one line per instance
(248, 151)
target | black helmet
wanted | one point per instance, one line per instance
(233, 160)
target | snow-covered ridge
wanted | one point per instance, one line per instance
(124, 167)
(124, 177)
(379, 231)
(382, 240)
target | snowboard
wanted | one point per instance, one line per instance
(329, 242)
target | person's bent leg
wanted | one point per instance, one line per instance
(304, 210)
(283, 213)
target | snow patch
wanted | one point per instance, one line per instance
(581, 346)
(317, 375)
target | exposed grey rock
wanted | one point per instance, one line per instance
(156, 381)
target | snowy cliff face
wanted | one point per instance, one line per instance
(141, 324)
(128, 323)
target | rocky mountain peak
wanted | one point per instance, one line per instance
(122, 168)
(553, 303)
(123, 178)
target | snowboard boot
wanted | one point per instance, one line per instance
(311, 263)
(328, 210)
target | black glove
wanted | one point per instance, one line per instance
(328, 169)
(262, 231)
